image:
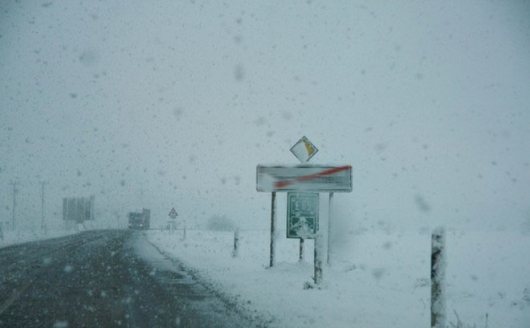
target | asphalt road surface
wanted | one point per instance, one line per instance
(106, 279)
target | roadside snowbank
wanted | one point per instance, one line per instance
(19, 237)
(374, 280)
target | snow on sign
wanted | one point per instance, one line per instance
(319, 178)
(304, 150)
(302, 214)
(173, 213)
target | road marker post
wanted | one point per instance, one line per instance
(301, 255)
(235, 252)
(438, 264)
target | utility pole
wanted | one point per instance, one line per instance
(15, 191)
(42, 224)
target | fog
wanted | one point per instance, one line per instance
(174, 103)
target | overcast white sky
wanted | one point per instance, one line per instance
(174, 103)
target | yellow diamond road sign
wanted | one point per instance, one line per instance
(304, 150)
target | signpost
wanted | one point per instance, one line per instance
(303, 183)
(302, 215)
(304, 150)
(173, 215)
(78, 209)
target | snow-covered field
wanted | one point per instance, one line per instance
(23, 236)
(376, 279)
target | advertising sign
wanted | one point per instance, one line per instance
(78, 209)
(316, 178)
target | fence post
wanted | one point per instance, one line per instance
(438, 264)
(236, 243)
(301, 256)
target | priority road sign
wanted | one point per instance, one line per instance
(304, 150)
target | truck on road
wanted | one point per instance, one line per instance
(139, 220)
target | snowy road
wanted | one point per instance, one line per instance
(104, 279)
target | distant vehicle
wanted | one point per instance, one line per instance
(139, 220)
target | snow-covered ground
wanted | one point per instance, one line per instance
(376, 279)
(23, 236)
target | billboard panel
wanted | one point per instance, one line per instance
(318, 178)
(78, 209)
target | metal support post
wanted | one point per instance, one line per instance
(236, 243)
(301, 257)
(437, 278)
(318, 259)
(273, 232)
(330, 206)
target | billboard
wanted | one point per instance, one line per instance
(317, 178)
(78, 209)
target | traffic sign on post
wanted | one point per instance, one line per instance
(173, 213)
(304, 150)
(303, 183)
(302, 215)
